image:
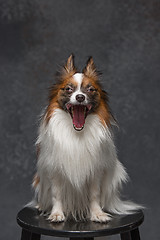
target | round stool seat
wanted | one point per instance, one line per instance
(32, 222)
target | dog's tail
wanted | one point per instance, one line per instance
(118, 206)
(32, 203)
(113, 201)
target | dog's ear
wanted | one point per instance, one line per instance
(69, 67)
(90, 69)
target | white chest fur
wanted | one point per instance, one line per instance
(77, 155)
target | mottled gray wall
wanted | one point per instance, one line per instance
(124, 39)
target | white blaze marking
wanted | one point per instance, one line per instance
(78, 77)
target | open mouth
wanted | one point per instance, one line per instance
(78, 113)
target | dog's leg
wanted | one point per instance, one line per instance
(56, 214)
(96, 212)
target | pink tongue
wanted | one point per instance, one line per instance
(78, 116)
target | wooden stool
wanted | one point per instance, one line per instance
(34, 225)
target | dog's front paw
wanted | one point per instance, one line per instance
(100, 216)
(56, 217)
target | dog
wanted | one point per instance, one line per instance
(78, 173)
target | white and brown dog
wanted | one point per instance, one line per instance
(78, 173)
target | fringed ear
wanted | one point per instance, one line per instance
(69, 67)
(90, 69)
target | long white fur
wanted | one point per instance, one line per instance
(79, 171)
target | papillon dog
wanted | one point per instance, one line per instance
(78, 173)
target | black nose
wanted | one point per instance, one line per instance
(80, 97)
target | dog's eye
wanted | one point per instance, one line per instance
(69, 89)
(90, 89)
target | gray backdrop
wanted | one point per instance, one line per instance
(124, 39)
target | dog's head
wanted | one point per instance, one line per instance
(79, 94)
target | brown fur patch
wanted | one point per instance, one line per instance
(103, 110)
(64, 77)
(36, 180)
(55, 93)
(37, 150)
(90, 69)
(103, 113)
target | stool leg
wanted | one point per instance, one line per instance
(27, 235)
(126, 236)
(135, 234)
(35, 236)
(132, 235)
